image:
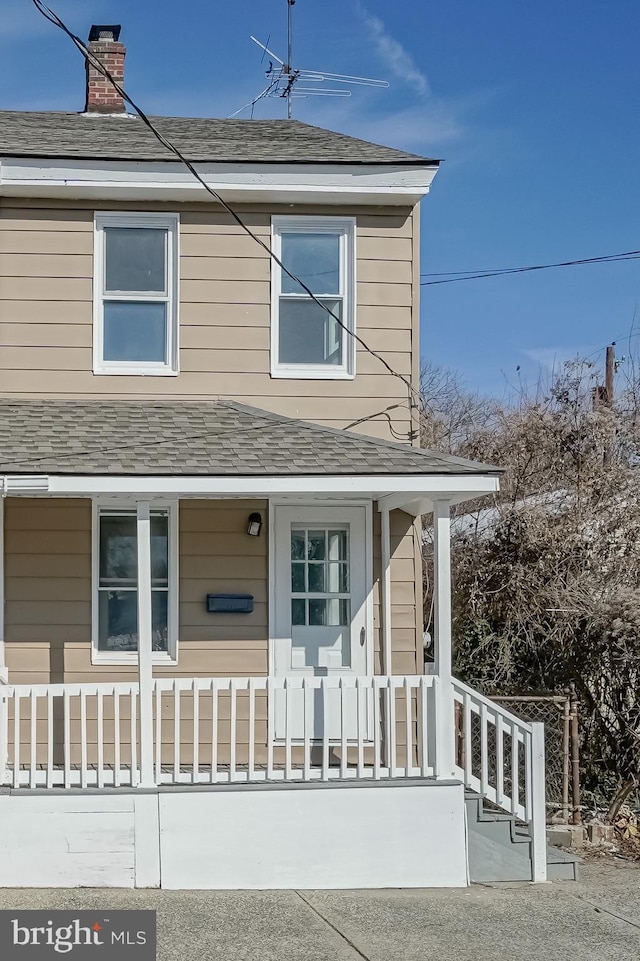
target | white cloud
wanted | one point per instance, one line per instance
(395, 57)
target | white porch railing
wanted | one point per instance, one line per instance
(501, 758)
(220, 730)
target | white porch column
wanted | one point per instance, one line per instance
(442, 636)
(385, 550)
(4, 676)
(145, 647)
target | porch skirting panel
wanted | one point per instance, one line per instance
(389, 835)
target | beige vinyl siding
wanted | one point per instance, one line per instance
(46, 321)
(48, 592)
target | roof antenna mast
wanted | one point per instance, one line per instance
(289, 83)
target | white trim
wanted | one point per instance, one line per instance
(130, 658)
(444, 733)
(145, 643)
(346, 227)
(3, 669)
(385, 551)
(171, 297)
(369, 486)
(381, 184)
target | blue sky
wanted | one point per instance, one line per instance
(533, 107)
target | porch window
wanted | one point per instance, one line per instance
(310, 339)
(116, 588)
(135, 294)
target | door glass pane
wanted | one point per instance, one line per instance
(118, 551)
(135, 331)
(316, 579)
(317, 613)
(297, 578)
(298, 611)
(338, 611)
(337, 545)
(297, 545)
(308, 334)
(316, 545)
(315, 259)
(338, 578)
(135, 259)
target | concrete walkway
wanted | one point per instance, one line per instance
(596, 918)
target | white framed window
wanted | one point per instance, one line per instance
(135, 294)
(115, 583)
(306, 341)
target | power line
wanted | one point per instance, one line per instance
(53, 18)
(454, 276)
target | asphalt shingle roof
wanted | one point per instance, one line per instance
(214, 438)
(105, 137)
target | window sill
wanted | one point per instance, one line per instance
(135, 372)
(130, 659)
(310, 373)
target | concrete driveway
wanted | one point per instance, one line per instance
(596, 918)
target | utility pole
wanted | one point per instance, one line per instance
(610, 366)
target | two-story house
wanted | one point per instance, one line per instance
(210, 564)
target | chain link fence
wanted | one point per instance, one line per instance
(559, 713)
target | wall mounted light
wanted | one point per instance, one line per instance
(255, 524)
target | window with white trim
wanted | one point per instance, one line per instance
(306, 340)
(136, 294)
(115, 589)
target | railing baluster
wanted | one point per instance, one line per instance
(377, 731)
(100, 752)
(528, 762)
(233, 716)
(4, 735)
(343, 727)
(214, 730)
(270, 727)
(361, 723)
(499, 760)
(133, 700)
(308, 724)
(196, 731)
(251, 770)
(484, 750)
(16, 740)
(288, 718)
(468, 753)
(117, 761)
(391, 727)
(515, 769)
(33, 740)
(176, 732)
(423, 742)
(409, 728)
(66, 701)
(325, 728)
(83, 739)
(158, 702)
(49, 776)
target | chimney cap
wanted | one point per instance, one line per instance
(105, 32)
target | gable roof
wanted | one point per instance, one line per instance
(212, 438)
(123, 137)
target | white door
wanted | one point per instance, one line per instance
(321, 611)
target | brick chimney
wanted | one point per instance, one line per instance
(101, 94)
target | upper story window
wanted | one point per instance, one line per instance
(306, 341)
(136, 294)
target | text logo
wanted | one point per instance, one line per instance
(78, 935)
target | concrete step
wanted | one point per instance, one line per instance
(500, 848)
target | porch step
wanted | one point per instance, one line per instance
(500, 848)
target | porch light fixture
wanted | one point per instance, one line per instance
(255, 524)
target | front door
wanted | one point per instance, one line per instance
(322, 575)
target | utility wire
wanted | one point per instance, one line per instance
(53, 18)
(454, 276)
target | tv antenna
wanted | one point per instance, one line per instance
(293, 83)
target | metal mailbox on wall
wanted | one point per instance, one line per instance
(230, 603)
